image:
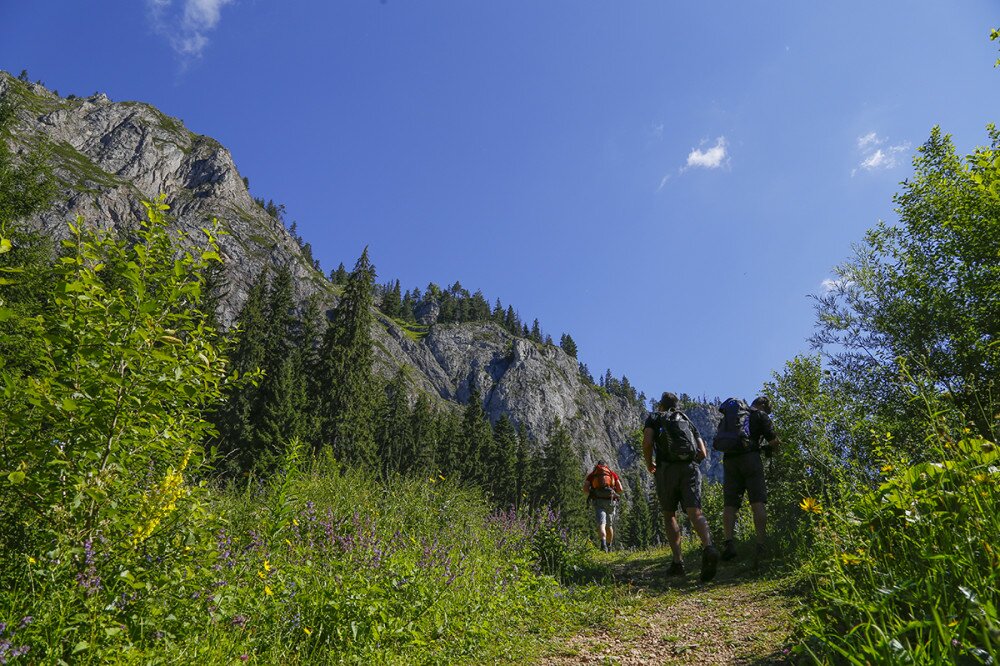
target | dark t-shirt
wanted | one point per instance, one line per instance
(651, 424)
(761, 432)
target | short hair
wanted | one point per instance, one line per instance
(668, 400)
(763, 403)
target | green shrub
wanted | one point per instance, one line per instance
(910, 573)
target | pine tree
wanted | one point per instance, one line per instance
(536, 331)
(419, 457)
(349, 388)
(568, 344)
(511, 321)
(503, 467)
(563, 481)
(394, 434)
(392, 302)
(449, 436)
(477, 442)
(236, 421)
(638, 525)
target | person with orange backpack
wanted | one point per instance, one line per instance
(603, 488)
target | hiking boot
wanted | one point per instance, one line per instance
(709, 563)
(728, 550)
(676, 569)
(760, 553)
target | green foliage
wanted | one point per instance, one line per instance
(26, 185)
(910, 572)
(926, 290)
(348, 401)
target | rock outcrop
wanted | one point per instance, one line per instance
(109, 156)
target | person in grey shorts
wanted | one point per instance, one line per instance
(603, 487)
(679, 448)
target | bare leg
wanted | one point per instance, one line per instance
(611, 535)
(700, 526)
(602, 532)
(729, 521)
(760, 521)
(673, 534)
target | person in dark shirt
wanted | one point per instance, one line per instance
(679, 482)
(743, 472)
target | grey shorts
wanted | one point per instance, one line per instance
(743, 474)
(605, 511)
(678, 483)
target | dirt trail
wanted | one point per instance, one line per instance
(744, 616)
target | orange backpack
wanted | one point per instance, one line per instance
(602, 482)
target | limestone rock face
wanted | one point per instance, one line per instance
(108, 156)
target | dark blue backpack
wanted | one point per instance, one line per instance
(734, 428)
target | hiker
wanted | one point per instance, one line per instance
(679, 448)
(603, 487)
(745, 432)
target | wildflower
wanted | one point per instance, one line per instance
(979, 478)
(161, 500)
(850, 559)
(261, 574)
(267, 566)
(244, 657)
(268, 592)
(25, 621)
(308, 631)
(887, 468)
(953, 623)
(32, 560)
(239, 621)
(810, 505)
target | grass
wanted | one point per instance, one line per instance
(323, 565)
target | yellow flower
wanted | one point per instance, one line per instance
(288, 542)
(261, 574)
(295, 522)
(268, 592)
(850, 558)
(32, 560)
(979, 478)
(810, 505)
(308, 631)
(887, 468)
(440, 477)
(953, 623)
(267, 566)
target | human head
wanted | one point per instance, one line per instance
(668, 400)
(762, 403)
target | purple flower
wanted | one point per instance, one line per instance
(239, 621)
(25, 621)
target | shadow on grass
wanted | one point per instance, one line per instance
(647, 570)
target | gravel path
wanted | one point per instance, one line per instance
(744, 616)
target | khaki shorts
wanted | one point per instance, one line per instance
(605, 511)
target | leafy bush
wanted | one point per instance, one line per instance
(910, 573)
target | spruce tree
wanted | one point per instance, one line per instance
(349, 392)
(476, 442)
(419, 456)
(449, 443)
(568, 344)
(394, 434)
(503, 466)
(563, 480)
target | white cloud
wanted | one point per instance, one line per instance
(831, 284)
(663, 182)
(874, 157)
(713, 158)
(186, 26)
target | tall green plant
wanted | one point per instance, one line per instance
(97, 440)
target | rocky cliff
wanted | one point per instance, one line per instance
(109, 155)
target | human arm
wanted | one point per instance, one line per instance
(618, 485)
(647, 449)
(702, 450)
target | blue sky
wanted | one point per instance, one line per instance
(666, 181)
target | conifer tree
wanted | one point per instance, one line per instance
(392, 302)
(638, 524)
(419, 458)
(394, 434)
(349, 392)
(476, 442)
(503, 467)
(568, 344)
(449, 434)
(563, 481)
(536, 331)
(236, 421)
(526, 471)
